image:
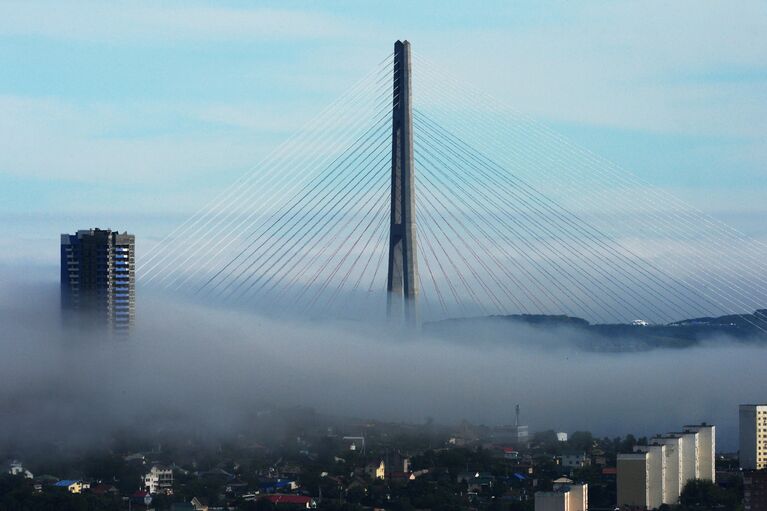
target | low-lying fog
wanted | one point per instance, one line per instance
(208, 368)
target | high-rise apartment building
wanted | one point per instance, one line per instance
(690, 455)
(657, 473)
(706, 459)
(634, 476)
(672, 480)
(565, 497)
(98, 277)
(657, 493)
(753, 437)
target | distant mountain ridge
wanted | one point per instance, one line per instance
(637, 336)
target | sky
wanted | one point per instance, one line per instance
(130, 112)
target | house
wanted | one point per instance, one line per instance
(199, 504)
(104, 489)
(522, 468)
(275, 485)
(236, 487)
(217, 474)
(354, 443)
(507, 453)
(42, 481)
(376, 470)
(136, 456)
(561, 482)
(476, 481)
(159, 479)
(575, 460)
(598, 457)
(72, 485)
(16, 468)
(302, 501)
(402, 476)
(139, 498)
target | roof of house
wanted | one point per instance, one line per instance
(288, 499)
(103, 488)
(279, 483)
(66, 482)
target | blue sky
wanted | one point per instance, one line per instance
(120, 112)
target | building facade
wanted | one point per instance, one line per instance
(706, 459)
(755, 490)
(98, 278)
(159, 479)
(657, 473)
(753, 437)
(571, 497)
(657, 493)
(575, 460)
(672, 480)
(690, 456)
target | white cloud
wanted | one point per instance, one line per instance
(144, 142)
(115, 21)
(645, 66)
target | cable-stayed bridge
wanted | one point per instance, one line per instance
(415, 192)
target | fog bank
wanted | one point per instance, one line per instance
(210, 369)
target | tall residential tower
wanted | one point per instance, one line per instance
(753, 437)
(98, 278)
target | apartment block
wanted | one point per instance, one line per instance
(657, 473)
(98, 278)
(569, 497)
(753, 437)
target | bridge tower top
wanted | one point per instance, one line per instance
(402, 282)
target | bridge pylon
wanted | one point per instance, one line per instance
(402, 283)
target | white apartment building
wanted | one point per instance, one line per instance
(657, 493)
(690, 456)
(571, 497)
(753, 437)
(159, 480)
(672, 481)
(656, 474)
(706, 459)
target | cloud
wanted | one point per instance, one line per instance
(639, 66)
(136, 143)
(170, 21)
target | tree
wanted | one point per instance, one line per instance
(704, 495)
(546, 439)
(581, 441)
(628, 443)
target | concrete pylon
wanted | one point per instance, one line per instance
(402, 282)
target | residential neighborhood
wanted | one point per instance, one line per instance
(308, 461)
